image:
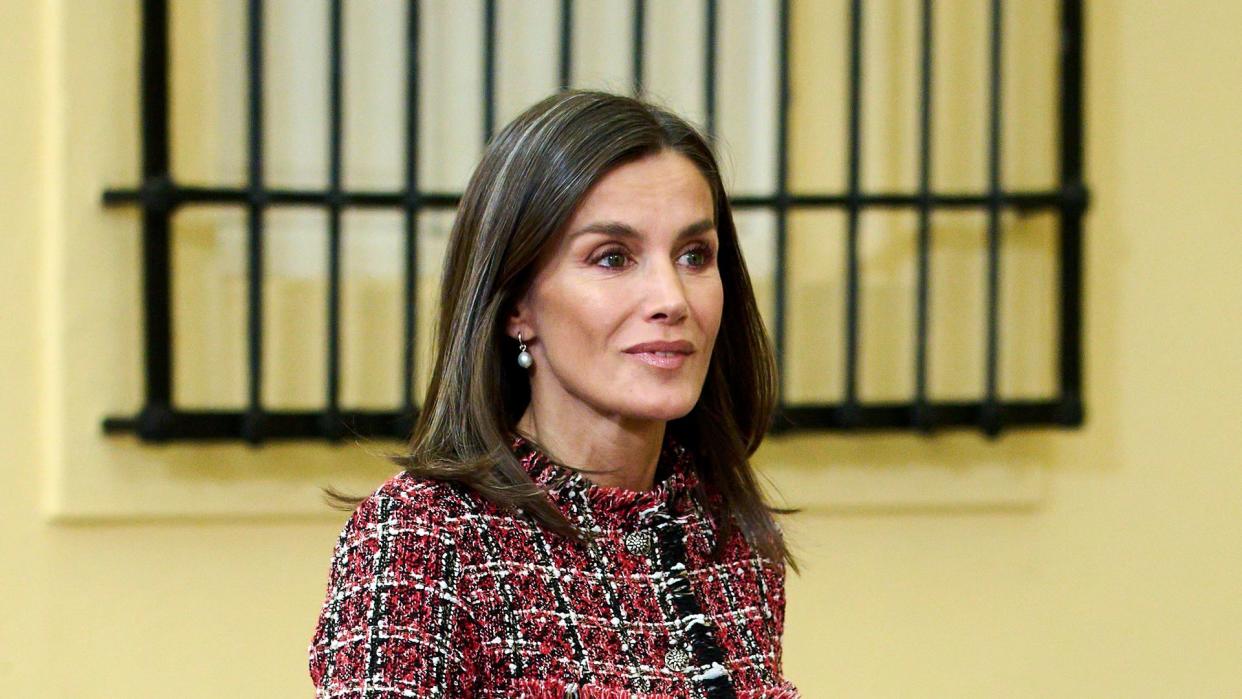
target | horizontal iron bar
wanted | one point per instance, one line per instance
(1046, 199)
(230, 425)
(903, 416)
(1070, 197)
(179, 195)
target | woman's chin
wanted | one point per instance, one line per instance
(666, 410)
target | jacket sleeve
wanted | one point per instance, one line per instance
(392, 622)
(778, 610)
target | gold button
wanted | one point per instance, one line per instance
(677, 660)
(639, 543)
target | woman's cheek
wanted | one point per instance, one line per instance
(709, 301)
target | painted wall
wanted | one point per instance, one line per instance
(1100, 562)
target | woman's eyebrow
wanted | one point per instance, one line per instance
(624, 230)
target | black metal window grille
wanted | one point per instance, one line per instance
(160, 194)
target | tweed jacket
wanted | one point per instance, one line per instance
(435, 592)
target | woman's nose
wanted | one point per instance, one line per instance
(666, 293)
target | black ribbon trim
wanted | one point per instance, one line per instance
(703, 645)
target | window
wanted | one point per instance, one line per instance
(818, 250)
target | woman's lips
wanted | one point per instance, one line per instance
(662, 360)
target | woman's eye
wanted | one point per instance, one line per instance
(700, 257)
(611, 259)
(616, 259)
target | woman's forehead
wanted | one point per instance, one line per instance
(656, 189)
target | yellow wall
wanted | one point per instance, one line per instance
(1101, 562)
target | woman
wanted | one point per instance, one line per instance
(577, 516)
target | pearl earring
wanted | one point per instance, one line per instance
(524, 358)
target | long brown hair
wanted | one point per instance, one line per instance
(531, 178)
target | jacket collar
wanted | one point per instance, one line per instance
(676, 480)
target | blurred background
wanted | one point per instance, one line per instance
(1003, 283)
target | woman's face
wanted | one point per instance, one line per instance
(635, 265)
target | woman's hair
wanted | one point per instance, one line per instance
(520, 197)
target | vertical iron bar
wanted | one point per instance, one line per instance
(155, 150)
(331, 423)
(567, 43)
(1071, 210)
(156, 222)
(489, 70)
(253, 426)
(989, 418)
(782, 197)
(922, 418)
(639, 31)
(412, 205)
(852, 213)
(711, 12)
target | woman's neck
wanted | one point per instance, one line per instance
(624, 454)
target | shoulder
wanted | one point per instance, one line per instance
(408, 530)
(393, 611)
(425, 494)
(414, 500)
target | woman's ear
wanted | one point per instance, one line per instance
(518, 321)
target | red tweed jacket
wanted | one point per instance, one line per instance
(435, 592)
